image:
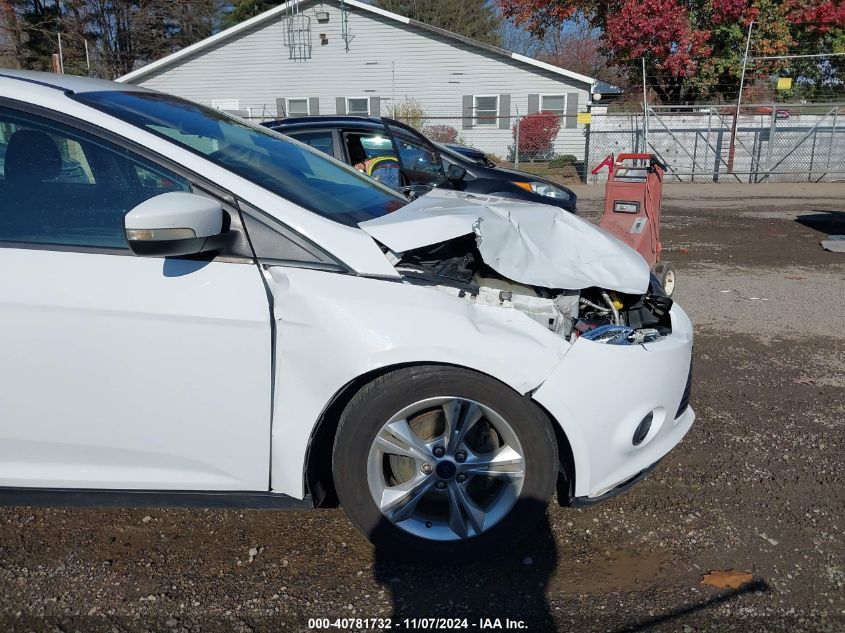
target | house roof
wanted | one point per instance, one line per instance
(606, 88)
(278, 11)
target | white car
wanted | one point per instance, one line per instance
(214, 313)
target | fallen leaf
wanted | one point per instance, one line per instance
(722, 578)
(804, 380)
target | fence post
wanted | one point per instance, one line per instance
(812, 156)
(832, 138)
(707, 140)
(773, 125)
(732, 144)
(516, 146)
(587, 134)
(645, 112)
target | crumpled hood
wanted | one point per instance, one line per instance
(534, 244)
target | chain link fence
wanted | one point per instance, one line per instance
(772, 143)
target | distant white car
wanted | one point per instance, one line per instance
(214, 313)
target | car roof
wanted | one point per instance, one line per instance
(68, 83)
(329, 120)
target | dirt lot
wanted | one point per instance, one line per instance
(758, 485)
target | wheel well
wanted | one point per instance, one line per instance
(319, 480)
(566, 463)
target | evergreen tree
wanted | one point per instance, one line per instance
(477, 19)
(245, 9)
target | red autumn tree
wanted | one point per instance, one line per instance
(694, 48)
(536, 134)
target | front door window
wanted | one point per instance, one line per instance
(62, 187)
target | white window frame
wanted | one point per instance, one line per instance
(565, 99)
(476, 121)
(307, 106)
(348, 109)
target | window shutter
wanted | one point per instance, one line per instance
(375, 106)
(281, 108)
(504, 112)
(572, 110)
(533, 104)
(314, 106)
(340, 105)
(466, 112)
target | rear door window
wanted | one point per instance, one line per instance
(322, 140)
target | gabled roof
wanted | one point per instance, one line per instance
(606, 88)
(278, 11)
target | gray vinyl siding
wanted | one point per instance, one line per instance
(387, 61)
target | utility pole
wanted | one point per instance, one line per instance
(645, 111)
(61, 59)
(732, 146)
(59, 35)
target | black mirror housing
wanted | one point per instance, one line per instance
(456, 172)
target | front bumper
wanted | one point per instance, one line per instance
(599, 393)
(566, 498)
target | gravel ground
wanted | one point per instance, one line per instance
(756, 486)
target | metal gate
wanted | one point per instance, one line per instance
(773, 143)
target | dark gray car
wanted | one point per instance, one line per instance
(402, 158)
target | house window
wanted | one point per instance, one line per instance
(297, 107)
(358, 107)
(486, 110)
(555, 104)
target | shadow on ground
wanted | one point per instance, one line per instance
(827, 222)
(513, 586)
(508, 583)
(686, 611)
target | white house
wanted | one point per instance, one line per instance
(309, 57)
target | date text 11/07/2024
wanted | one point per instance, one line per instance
(416, 624)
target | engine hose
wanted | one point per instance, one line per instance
(601, 309)
(612, 307)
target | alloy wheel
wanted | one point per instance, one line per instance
(445, 468)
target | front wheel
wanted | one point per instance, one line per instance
(435, 462)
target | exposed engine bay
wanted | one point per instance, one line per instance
(456, 268)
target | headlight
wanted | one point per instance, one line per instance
(544, 189)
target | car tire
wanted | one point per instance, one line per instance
(511, 495)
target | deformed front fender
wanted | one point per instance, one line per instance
(332, 328)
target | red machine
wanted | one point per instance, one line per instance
(632, 208)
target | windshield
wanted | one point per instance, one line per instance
(286, 167)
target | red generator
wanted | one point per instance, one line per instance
(632, 209)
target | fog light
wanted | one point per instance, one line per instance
(642, 429)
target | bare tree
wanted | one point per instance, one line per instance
(577, 47)
(120, 34)
(518, 40)
(10, 35)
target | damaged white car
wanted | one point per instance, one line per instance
(211, 313)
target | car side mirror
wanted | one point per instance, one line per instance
(175, 224)
(456, 173)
